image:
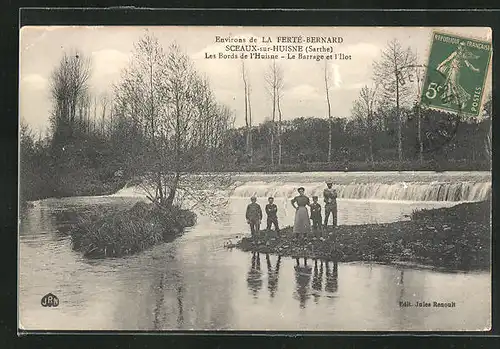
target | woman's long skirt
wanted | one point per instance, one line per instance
(302, 224)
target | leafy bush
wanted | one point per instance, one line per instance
(116, 233)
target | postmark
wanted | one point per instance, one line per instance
(456, 73)
(435, 127)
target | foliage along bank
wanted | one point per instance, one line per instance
(128, 231)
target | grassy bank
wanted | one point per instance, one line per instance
(114, 233)
(455, 238)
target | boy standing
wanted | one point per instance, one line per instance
(272, 214)
(316, 213)
(254, 215)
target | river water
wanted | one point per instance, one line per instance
(195, 283)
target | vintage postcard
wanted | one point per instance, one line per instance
(255, 178)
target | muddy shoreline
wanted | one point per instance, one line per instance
(456, 238)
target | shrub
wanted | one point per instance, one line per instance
(117, 233)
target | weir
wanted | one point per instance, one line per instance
(400, 191)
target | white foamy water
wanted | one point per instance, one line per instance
(399, 186)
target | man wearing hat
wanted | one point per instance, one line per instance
(330, 197)
(254, 215)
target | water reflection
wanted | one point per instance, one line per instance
(159, 314)
(180, 305)
(331, 277)
(254, 277)
(272, 275)
(401, 283)
(302, 279)
(317, 281)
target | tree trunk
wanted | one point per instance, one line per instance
(329, 139)
(250, 122)
(95, 113)
(370, 137)
(272, 143)
(172, 190)
(279, 133)
(419, 132)
(103, 117)
(398, 119)
(274, 118)
(329, 117)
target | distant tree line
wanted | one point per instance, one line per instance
(306, 140)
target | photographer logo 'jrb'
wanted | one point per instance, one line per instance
(456, 74)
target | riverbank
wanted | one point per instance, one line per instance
(456, 238)
(112, 233)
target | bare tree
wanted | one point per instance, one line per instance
(95, 114)
(330, 119)
(184, 126)
(363, 111)
(104, 100)
(274, 85)
(143, 88)
(280, 140)
(249, 91)
(391, 72)
(68, 86)
(248, 112)
(185, 112)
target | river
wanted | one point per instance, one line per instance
(195, 283)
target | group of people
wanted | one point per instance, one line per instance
(302, 224)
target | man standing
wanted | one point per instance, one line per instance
(254, 215)
(330, 197)
(272, 214)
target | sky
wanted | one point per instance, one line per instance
(110, 49)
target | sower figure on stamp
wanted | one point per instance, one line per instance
(254, 216)
(272, 215)
(330, 197)
(316, 214)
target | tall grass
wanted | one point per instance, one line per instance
(115, 233)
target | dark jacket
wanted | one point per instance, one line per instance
(254, 212)
(315, 210)
(271, 210)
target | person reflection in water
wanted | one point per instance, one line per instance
(331, 277)
(180, 305)
(317, 280)
(401, 283)
(302, 278)
(254, 277)
(273, 275)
